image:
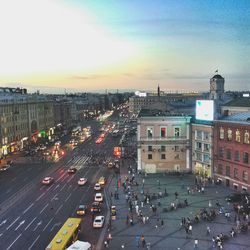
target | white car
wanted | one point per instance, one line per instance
(99, 197)
(98, 221)
(97, 187)
(82, 181)
(47, 180)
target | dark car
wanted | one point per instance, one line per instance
(95, 207)
(82, 209)
(71, 170)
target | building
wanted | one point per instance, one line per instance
(231, 151)
(237, 105)
(202, 149)
(163, 141)
(217, 83)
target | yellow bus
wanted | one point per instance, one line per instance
(66, 236)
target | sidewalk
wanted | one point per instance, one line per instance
(170, 235)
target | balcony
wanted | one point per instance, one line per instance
(166, 140)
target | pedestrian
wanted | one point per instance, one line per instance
(208, 230)
(190, 229)
(144, 219)
(131, 222)
(195, 244)
(143, 242)
(127, 219)
(162, 223)
(137, 239)
(213, 241)
(137, 209)
(106, 244)
(142, 203)
(209, 203)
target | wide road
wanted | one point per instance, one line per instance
(31, 213)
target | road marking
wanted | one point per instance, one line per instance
(63, 187)
(70, 178)
(67, 197)
(34, 242)
(1, 234)
(13, 179)
(44, 208)
(55, 225)
(14, 241)
(8, 190)
(31, 205)
(30, 224)
(75, 189)
(37, 225)
(57, 186)
(3, 222)
(61, 177)
(40, 196)
(59, 209)
(50, 187)
(13, 223)
(48, 224)
(20, 224)
(54, 197)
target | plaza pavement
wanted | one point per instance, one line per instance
(170, 236)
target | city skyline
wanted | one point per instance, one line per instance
(95, 45)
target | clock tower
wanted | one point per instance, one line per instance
(216, 87)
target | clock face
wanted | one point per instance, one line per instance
(213, 86)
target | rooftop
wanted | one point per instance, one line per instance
(239, 102)
(157, 112)
(239, 117)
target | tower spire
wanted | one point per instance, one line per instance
(158, 91)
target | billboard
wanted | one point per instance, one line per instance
(204, 110)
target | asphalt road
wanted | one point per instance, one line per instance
(32, 213)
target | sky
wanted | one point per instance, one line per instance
(95, 45)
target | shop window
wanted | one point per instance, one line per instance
(245, 176)
(237, 135)
(229, 154)
(245, 157)
(236, 173)
(163, 156)
(222, 133)
(228, 171)
(163, 132)
(150, 156)
(246, 137)
(229, 134)
(237, 155)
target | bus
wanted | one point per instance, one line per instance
(67, 235)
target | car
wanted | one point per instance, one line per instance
(95, 207)
(47, 180)
(102, 180)
(42, 147)
(99, 197)
(97, 187)
(98, 221)
(57, 143)
(82, 181)
(47, 152)
(71, 170)
(82, 209)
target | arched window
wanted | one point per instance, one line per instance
(229, 134)
(237, 135)
(246, 137)
(221, 133)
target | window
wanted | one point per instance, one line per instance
(222, 133)
(229, 154)
(163, 132)
(177, 156)
(177, 132)
(198, 156)
(176, 148)
(150, 132)
(150, 156)
(220, 169)
(198, 145)
(206, 136)
(246, 137)
(221, 152)
(206, 158)
(163, 156)
(245, 176)
(245, 157)
(236, 174)
(237, 155)
(198, 134)
(150, 148)
(206, 147)
(237, 135)
(229, 134)
(228, 171)
(163, 148)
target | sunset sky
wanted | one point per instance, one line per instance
(93, 45)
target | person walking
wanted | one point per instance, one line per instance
(196, 244)
(143, 242)
(208, 230)
(190, 228)
(162, 223)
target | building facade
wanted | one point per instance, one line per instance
(163, 142)
(231, 152)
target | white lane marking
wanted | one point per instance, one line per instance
(54, 197)
(30, 224)
(58, 209)
(50, 187)
(67, 197)
(40, 196)
(31, 205)
(1, 234)
(37, 225)
(75, 189)
(63, 187)
(44, 208)
(14, 241)
(70, 178)
(47, 224)
(57, 186)
(61, 177)
(13, 222)
(57, 224)
(20, 224)
(34, 242)
(3, 222)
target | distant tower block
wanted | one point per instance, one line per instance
(217, 87)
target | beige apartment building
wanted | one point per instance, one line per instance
(163, 142)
